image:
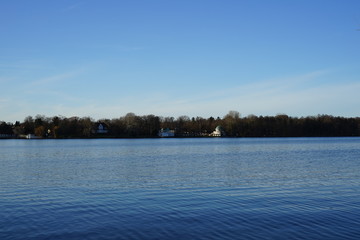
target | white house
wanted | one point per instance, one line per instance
(101, 128)
(166, 133)
(31, 136)
(218, 132)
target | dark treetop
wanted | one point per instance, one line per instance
(133, 126)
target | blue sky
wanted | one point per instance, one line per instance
(169, 58)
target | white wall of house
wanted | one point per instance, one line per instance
(101, 129)
(166, 133)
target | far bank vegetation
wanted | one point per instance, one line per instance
(134, 126)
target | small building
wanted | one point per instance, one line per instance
(32, 136)
(166, 133)
(219, 132)
(7, 135)
(101, 128)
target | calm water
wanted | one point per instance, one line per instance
(291, 188)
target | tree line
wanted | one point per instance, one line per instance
(232, 124)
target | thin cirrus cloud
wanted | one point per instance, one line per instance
(74, 6)
(57, 78)
(306, 94)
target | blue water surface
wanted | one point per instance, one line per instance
(201, 188)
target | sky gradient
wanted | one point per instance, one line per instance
(104, 59)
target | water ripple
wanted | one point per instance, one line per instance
(180, 189)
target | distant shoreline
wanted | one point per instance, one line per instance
(109, 138)
(151, 126)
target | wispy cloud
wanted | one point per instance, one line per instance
(302, 95)
(57, 77)
(4, 101)
(306, 94)
(116, 47)
(269, 88)
(20, 64)
(5, 80)
(74, 6)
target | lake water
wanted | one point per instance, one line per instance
(212, 188)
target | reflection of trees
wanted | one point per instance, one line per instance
(232, 123)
